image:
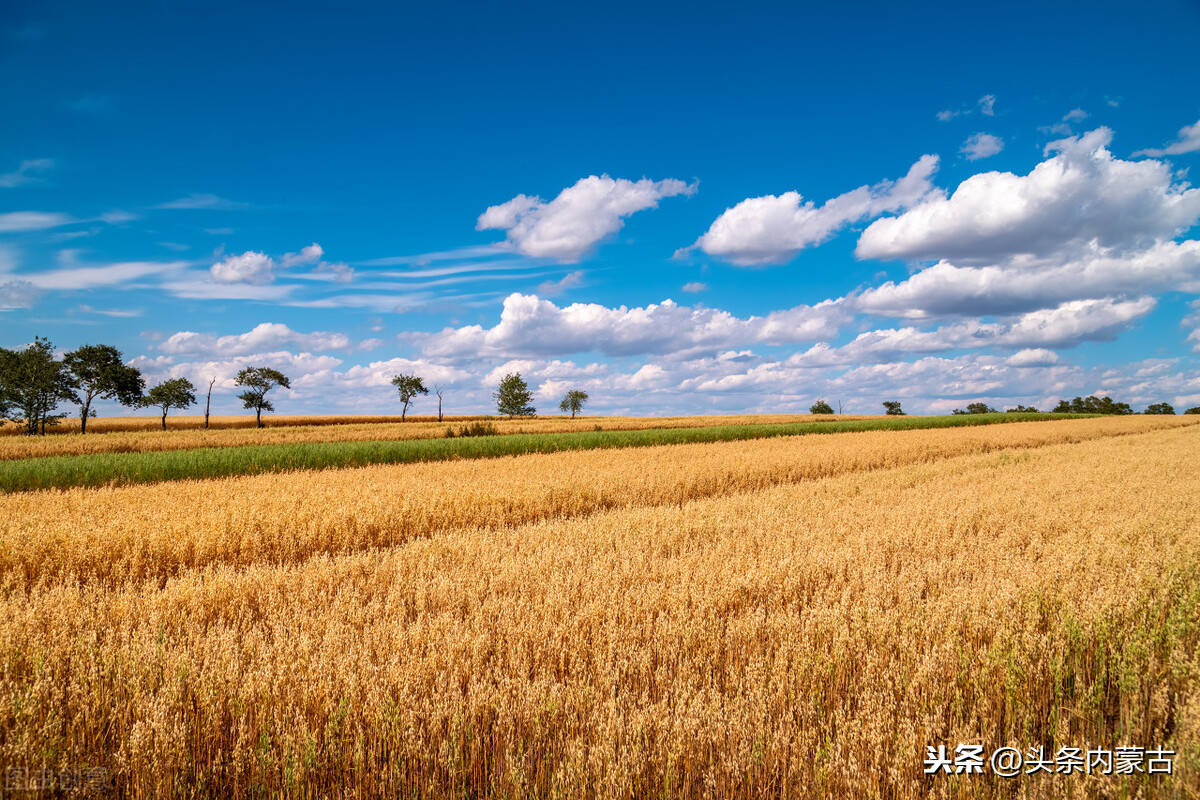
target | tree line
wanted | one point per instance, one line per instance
(34, 384)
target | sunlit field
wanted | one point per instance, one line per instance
(793, 617)
(134, 434)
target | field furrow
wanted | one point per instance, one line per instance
(154, 532)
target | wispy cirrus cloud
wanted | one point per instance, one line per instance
(28, 171)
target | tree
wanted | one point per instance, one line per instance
(1020, 409)
(820, 407)
(1092, 405)
(32, 383)
(892, 408)
(975, 408)
(409, 387)
(573, 401)
(513, 396)
(438, 391)
(208, 402)
(174, 393)
(101, 374)
(1160, 408)
(259, 381)
(1193, 410)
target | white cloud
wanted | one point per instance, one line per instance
(1075, 115)
(79, 277)
(263, 337)
(249, 267)
(307, 255)
(1188, 141)
(986, 105)
(570, 225)
(694, 287)
(981, 145)
(530, 325)
(1032, 357)
(26, 172)
(774, 228)
(1065, 325)
(1021, 285)
(18, 294)
(1079, 197)
(571, 280)
(201, 201)
(15, 221)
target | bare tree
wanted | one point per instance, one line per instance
(208, 402)
(438, 391)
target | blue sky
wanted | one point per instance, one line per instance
(724, 211)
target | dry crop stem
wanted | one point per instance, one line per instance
(331, 429)
(797, 641)
(157, 531)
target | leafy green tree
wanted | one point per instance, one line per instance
(573, 401)
(258, 381)
(1021, 410)
(1160, 408)
(101, 374)
(174, 393)
(975, 408)
(409, 387)
(820, 407)
(32, 384)
(1193, 410)
(513, 397)
(1092, 405)
(892, 408)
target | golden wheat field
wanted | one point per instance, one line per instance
(134, 435)
(795, 617)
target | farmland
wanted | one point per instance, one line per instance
(790, 616)
(294, 453)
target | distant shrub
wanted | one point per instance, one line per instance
(975, 408)
(1160, 408)
(1022, 410)
(472, 429)
(821, 407)
(1193, 410)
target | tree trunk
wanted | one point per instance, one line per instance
(258, 416)
(404, 411)
(83, 415)
(572, 413)
(208, 402)
(439, 408)
(164, 419)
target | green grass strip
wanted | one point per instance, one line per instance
(100, 469)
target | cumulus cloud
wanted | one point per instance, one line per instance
(1188, 141)
(530, 325)
(265, 336)
(1080, 196)
(946, 288)
(1065, 325)
(1032, 357)
(307, 255)
(249, 267)
(981, 145)
(774, 228)
(569, 226)
(18, 294)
